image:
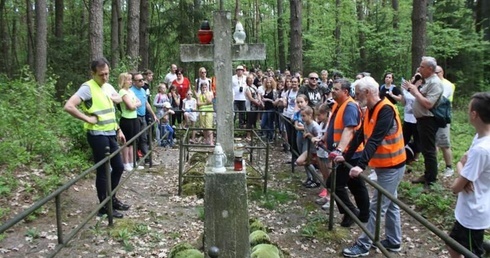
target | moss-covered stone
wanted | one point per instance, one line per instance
(190, 253)
(259, 237)
(193, 188)
(255, 224)
(179, 248)
(266, 251)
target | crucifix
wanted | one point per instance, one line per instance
(225, 198)
(222, 53)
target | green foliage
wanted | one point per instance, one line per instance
(200, 213)
(272, 199)
(316, 227)
(258, 237)
(33, 233)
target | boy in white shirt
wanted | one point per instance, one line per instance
(473, 184)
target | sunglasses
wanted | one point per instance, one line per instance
(140, 80)
(314, 78)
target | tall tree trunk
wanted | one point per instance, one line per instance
(396, 18)
(257, 20)
(115, 16)
(362, 36)
(96, 30)
(58, 19)
(237, 12)
(3, 39)
(30, 37)
(338, 47)
(41, 40)
(14, 61)
(280, 36)
(419, 24)
(144, 37)
(133, 32)
(483, 18)
(296, 45)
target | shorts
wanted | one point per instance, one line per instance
(206, 120)
(443, 138)
(130, 127)
(192, 116)
(472, 239)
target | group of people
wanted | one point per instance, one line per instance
(335, 120)
(359, 124)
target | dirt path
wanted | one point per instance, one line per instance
(159, 219)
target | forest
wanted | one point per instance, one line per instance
(57, 39)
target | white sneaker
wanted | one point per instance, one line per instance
(140, 168)
(448, 172)
(322, 200)
(128, 167)
(326, 206)
(373, 176)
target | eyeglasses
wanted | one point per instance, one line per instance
(204, 72)
(314, 78)
(138, 80)
(178, 73)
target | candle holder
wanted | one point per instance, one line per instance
(205, 34)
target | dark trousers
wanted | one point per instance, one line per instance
(240, 106)
(357, 187)
(410, 131)
(98, 143)
(291, 132)
(427, 129)
(143, 139)
(252, 119)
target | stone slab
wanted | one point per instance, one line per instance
(205, 52)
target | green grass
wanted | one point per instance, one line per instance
(272, 199)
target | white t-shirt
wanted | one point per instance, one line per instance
(473, 209)
(239, 82)
(408, 110)
(169, 78)
(291, 103)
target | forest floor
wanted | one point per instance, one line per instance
(159, 219)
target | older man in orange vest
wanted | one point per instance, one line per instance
(384, 150)
(345, 120)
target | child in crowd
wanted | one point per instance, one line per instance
(472, 186)
(205, 104)
(190, 114)
(160, 98)
(323, 115)
(307, 128)
(166, 130)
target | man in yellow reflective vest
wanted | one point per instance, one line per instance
(99, 119)
(384, 150)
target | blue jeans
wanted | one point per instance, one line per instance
(267, 124)
(388, 179)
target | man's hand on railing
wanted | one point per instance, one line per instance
(355, 171)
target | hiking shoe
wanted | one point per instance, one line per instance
(390, 247)
(326, 206)
(323, 193)
(118, 205)
(448, 172)
(322, 200)
(307, 182)
(115, 214)
(347, 221)
(355, 251)
(313, 185)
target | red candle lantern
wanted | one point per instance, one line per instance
(205, 34)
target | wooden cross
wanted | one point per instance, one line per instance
(222, 52)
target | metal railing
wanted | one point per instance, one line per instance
(63, 239)
(258, 158)
(381, 192)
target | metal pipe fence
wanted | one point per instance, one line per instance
(63, 239)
